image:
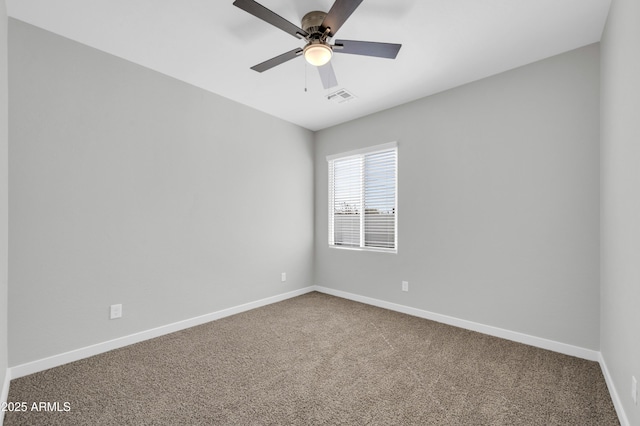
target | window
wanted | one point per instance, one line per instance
(364, 181)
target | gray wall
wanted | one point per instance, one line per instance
(130, 187)
(4, 187)
(498, 202)
(620, 186)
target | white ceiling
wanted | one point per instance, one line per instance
(211, 44)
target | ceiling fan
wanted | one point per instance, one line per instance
(317, 28)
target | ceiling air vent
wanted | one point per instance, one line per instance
(341, 96)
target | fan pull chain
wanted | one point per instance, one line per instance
(305, 76)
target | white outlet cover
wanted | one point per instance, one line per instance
(284, 277)
(115, 311)
(405, 285)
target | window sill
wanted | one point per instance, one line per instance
(366, 249)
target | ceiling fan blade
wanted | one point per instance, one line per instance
(367, 48)
(280, 59)
(338, 14)
(328, 76)
(259, 11)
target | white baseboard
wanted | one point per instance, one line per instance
(617, 403)
(81, 353)
(515, 336)
(77, 354)
(4, 395)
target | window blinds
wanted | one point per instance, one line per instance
(362, 198)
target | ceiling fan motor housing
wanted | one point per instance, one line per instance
(312, 24)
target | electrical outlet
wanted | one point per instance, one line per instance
(634, 390)
(405, 285)
(284, 277)
(115, 311)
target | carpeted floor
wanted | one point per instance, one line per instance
(318, 359)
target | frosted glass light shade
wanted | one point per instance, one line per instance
(317, 54)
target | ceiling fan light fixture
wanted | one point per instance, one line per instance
(317, 54)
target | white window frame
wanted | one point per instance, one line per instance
(362, 153)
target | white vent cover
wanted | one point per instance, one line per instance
(340, 96)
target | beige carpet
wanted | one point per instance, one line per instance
(318, 359)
